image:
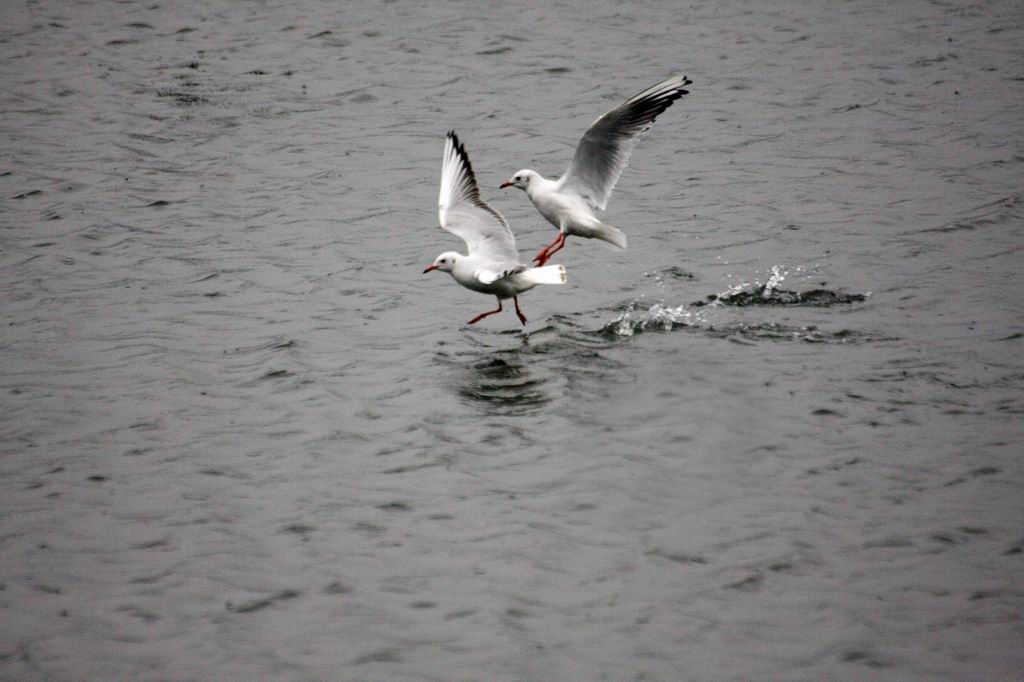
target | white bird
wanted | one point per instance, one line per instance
(492, 265)
(603, 152)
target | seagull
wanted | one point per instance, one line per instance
(492, 265)
(603, 152)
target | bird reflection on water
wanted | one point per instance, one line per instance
(501, 383)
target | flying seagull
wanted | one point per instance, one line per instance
(569, 202)
(492, 265)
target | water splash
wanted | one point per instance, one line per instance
(778, 274)
(771, 294)
(658, 317)
(639, 316)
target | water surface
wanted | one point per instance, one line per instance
(244, 438)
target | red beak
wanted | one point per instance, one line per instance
(429, 268)
(507, 183)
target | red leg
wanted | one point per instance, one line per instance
(548, 254)
(522, 318)
(483, 315)
(542, 257)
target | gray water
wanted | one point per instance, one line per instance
(243, 437)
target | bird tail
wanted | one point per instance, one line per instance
(612, 235)
(549, 274)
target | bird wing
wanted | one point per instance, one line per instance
(603, 151)
(463, 213)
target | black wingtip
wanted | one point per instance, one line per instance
(460, 150)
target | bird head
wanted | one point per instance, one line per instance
(522, 180)
(445, 262)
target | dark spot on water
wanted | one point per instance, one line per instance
(98, 478)
(748, 584)
(300, 529)
(30, 193)
(1012, 337)
(151, 544)
(496, 50)
(321, 34)
(276, 374)
(364, 98)
(984, 471)
(825, 412)
(984, 594)
(122, 41)
(935, 60)
(258, 72)
(55, 470)
(213, 294)
(677, 557)
(47, 589)
(1017, 549)
(889, 542)
(34, 486)
(422, 605)
(182, 97)
(944, 538)
(395, 506)
(862, 657)
(406, 468)
(140, 613)
(380, 656)
(258, 604)
(186, 29)
(337, 587)
(285, 344)
(158, 202)
(676, 272)
(558, 69)
(463, 613)
(138, 24)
